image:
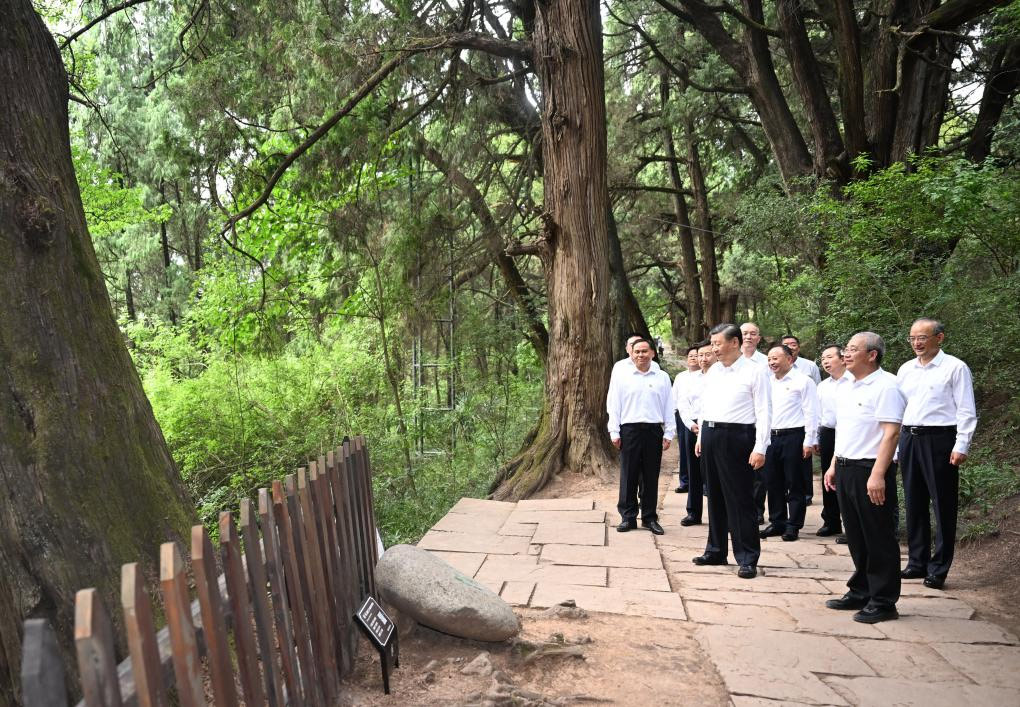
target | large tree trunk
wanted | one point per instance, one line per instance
(703, 222)
(87, 480)
(571, 432)
(625, 310)
(1003, 83)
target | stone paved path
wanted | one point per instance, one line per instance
(771, 638)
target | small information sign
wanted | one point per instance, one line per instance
(379, 628)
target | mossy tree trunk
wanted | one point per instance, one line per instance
(86, 480)
(571, 430)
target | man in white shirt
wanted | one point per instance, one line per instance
(810, 369)
(750, 338)
(794, 427)
(627, 363)
(685, 439)
(689, 409)
(641, 425)
(868, 416)
(938, 425)
(733, 434)
(828, 390)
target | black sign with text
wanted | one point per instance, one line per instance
(378, 626)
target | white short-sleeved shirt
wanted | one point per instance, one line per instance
(689, 405)
(680, 385)
(808, 368)
(861, 408)
(795, 404)
(757, 357)
(739, 394)
(640, 397)
(940, 394)
(828, 390)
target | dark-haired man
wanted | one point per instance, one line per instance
(794, 426)
(641, 426)
(810, 369)
(868, 416)
(690, 411)
(628, 362)
(937, 428)
(828, 391)
(733, 434)
(684, 436)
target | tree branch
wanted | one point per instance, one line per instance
(112, 11)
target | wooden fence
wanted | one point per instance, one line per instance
(276, 623)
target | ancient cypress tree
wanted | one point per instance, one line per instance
(87, 480)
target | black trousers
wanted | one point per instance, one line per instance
(695, 482)
(784, 476)
(640, 457)
(830, 501)
(870, 533)
(808, 469)
(685, 462)
(928, 477)
(730, 482)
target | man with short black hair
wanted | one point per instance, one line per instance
(794, 426)
(641, 426)
(828, 390)
(810, 369)
(733, 434)
(690, 410)
(684, 437)
(629, 360)
(937, 428)
(868, 416)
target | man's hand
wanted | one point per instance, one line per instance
(816, 449)
(956, 458)
(756, 460)
(876, 488)
(697, 449)
(617, 443)
(829, 480)
(665, 444)
(807, 452)
(695, 428)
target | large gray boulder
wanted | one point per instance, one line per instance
(421, 585)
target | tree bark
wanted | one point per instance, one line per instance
(687, 263)
(1003, 83)
(571, 433)
(87, 480)
(627, 315)
(851, 77)
(703, 221)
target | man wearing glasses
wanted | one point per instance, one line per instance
(938, 424)
(868, 416)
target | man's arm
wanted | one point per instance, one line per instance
(613, 404)
(810, 407)
(886, 448)
(966, 414)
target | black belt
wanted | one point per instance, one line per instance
(643, 425)
(862, 463)
(729, 425)
(826, 428)
(918, 430)
(787, 431)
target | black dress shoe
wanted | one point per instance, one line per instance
(807, 500)
(841, 539)
(770, 530)
(690, 520)
(747, 572)
(709, 560)
(626, 525)
(872, 614)
(653, 525)
(933, 581)
(847, 602)
(827, 530)
(682, 488)
(912, 573)
(790, 535)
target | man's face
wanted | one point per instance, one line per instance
(857, 357)
(721, 346)
(779, 361)
(750, 335)
(832, 361)
(642, 355)
(792, 344)
(923, 339)
(692, 360)
(706, 357)
(630, 346)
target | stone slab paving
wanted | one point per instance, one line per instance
(772, 639)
